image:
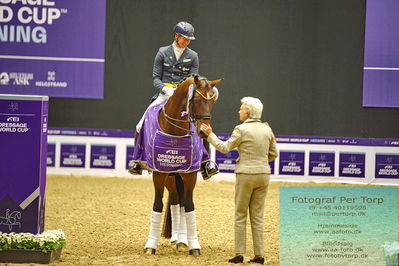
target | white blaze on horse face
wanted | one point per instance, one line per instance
(189, 96)
(190, 92)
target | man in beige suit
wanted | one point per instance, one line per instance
(256, 146)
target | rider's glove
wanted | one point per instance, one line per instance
(168, 91)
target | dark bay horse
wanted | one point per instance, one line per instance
(191, 104)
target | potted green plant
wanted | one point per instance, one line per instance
(26, 247)
(391, 253)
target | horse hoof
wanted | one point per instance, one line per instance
(181, 247)
(195, 252)
(149, 251)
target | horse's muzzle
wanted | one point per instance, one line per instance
(206, 116)
(198, 124)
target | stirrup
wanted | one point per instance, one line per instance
(136, 169)
(207, 172)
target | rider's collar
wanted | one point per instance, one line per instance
(178, 51)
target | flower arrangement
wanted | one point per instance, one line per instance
(46, 241)
(391, 252)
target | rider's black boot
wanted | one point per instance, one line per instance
(207, 171)
(136, 169)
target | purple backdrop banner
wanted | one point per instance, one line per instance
(52, 47)
(381, 54)
(23, 147)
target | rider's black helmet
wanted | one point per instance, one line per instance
(184, 29)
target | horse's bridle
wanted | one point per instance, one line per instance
(193, 116)
(207, 116)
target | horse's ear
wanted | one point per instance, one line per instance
(215, 82)
(197, 81)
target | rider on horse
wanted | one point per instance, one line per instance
(172, 64)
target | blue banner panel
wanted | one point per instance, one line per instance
(352, 164)
(51, 155)
(102, 156)
(226, 161)
(386, 165)
(53, 48)
(292, 163)
(321, 163)
(381, 55)
(129, 156)
(73, 155)
(272, 167)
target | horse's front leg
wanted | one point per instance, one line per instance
(156, 214)
(190, 180)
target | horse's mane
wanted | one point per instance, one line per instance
(192, 75)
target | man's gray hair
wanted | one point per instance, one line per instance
(253, 106)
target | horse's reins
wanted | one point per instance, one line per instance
(168, 118)
(193, 116)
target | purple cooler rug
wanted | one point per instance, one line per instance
(161, 152)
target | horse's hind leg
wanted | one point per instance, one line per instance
(182, 241)
(156, 214)
(172, 221)
(191, 220)
(175, 186)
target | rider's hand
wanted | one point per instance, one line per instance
(168, 91)
(207, 129)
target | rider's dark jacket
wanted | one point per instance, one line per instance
(169, 70)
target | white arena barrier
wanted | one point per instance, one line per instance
(104, 152)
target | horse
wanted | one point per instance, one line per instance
(180, 117)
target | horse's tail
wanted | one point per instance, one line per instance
(167, 222)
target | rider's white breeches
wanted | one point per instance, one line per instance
(158, 100)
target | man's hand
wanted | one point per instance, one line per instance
(207, 129)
